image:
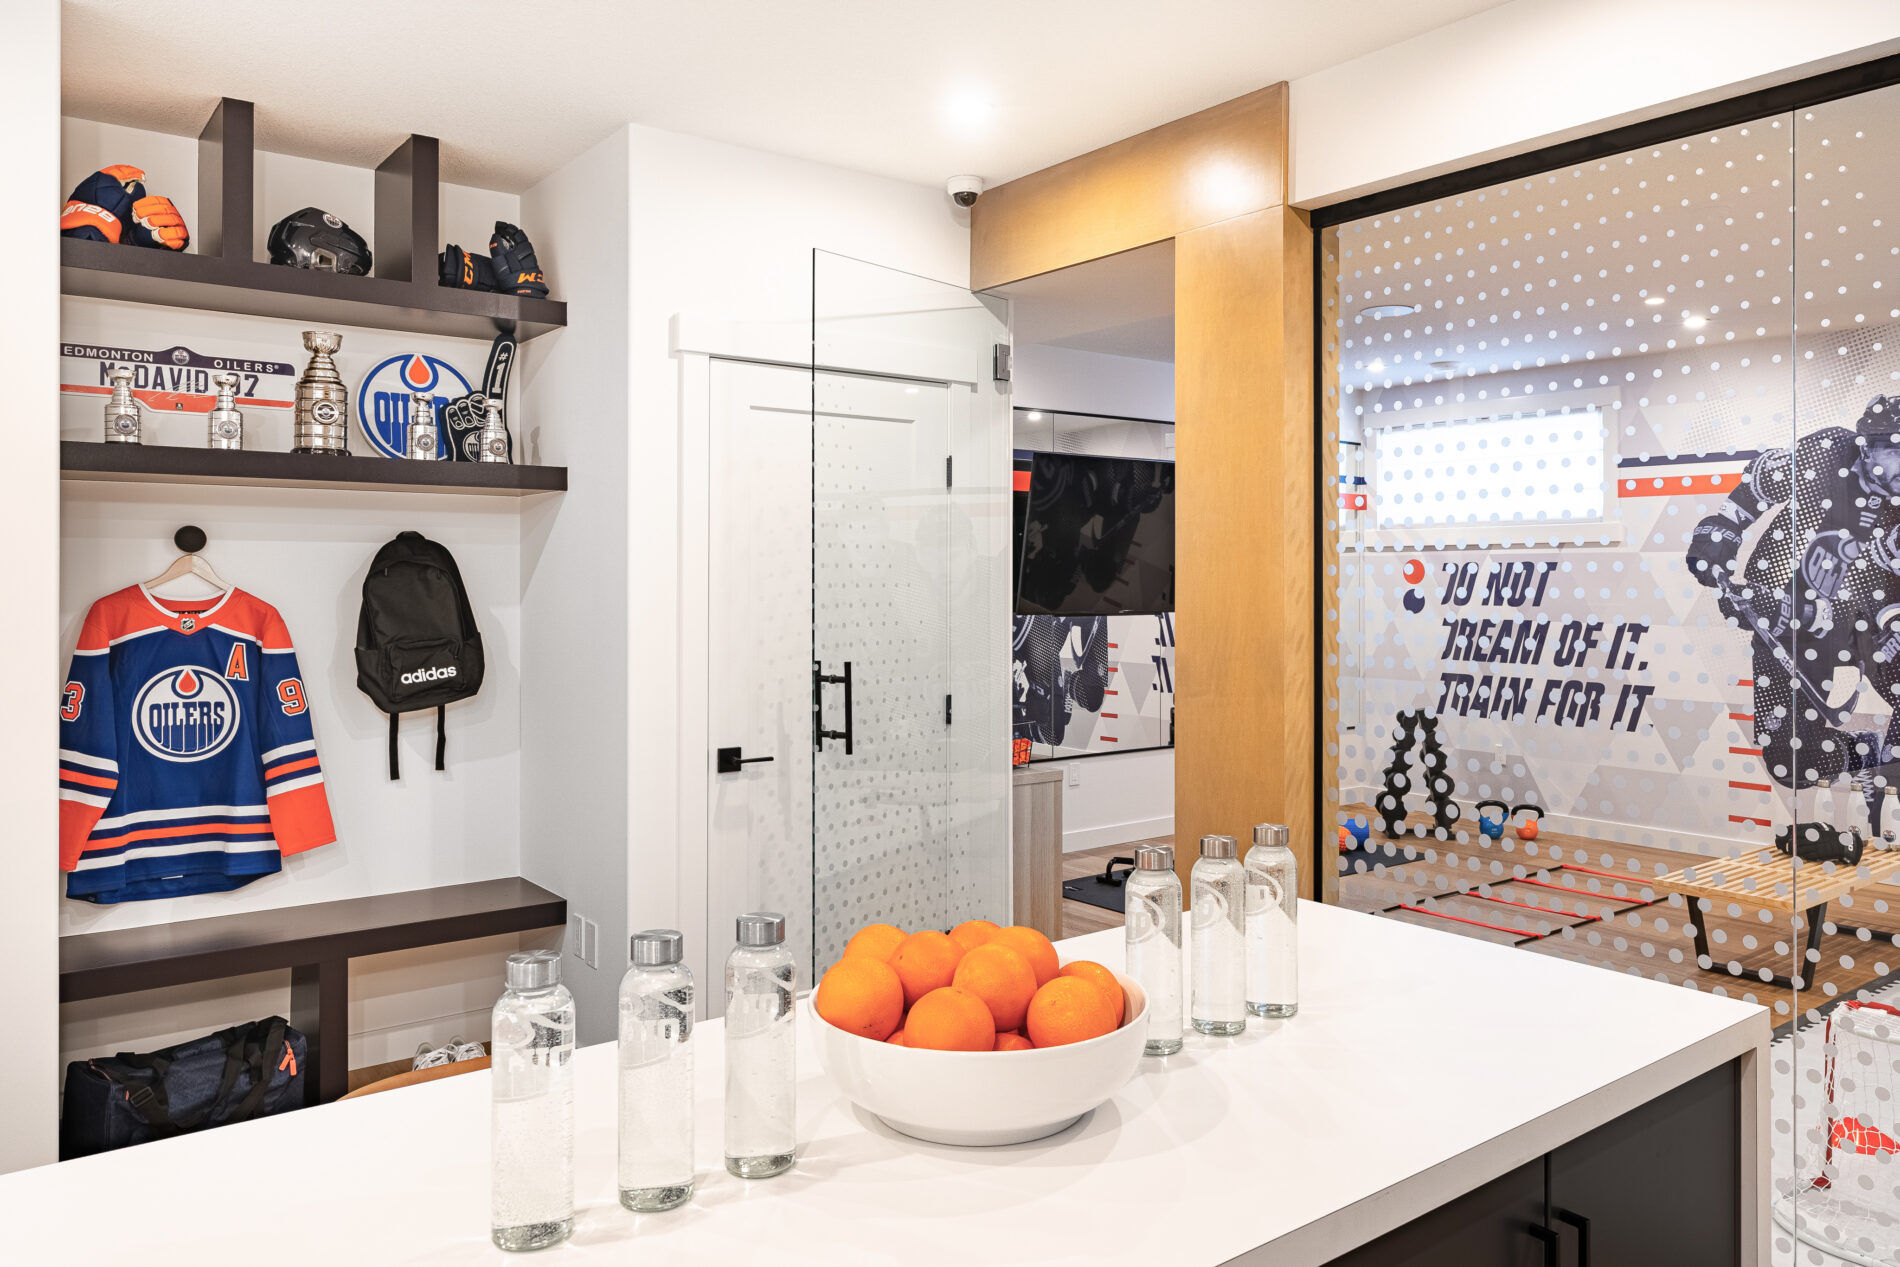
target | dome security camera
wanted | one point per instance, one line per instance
(963, 190)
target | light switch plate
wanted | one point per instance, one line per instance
(590, 943)
(1075, 776)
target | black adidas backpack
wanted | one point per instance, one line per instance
(416, 642)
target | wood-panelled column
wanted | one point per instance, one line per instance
(1244, 530)
(1214, 183)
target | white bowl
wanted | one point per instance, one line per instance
(984, 1097)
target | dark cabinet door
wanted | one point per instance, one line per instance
(1489, 1227)
(1661, 1185)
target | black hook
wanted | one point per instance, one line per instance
(190, 538)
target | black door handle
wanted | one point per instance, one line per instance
(819, 680)
(730, 761)
(1583, 1233)
(1549, 1238)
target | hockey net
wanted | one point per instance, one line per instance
(1845, 1196)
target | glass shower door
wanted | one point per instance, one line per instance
(909, 603)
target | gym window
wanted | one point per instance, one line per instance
(1542, 475)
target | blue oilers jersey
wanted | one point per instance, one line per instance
(186, 759)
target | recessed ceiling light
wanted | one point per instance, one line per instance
(1389, 310)
(1376, 366)
(1035, 415)
(967, 109)
(1695, 323)
(1654, 301)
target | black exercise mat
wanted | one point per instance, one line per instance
(1090, 889)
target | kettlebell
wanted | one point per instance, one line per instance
(1528, 829)
(1492, 827)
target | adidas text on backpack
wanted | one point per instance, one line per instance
(416, 642)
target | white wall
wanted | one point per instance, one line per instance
(29, 366)
(1048, 377)
(1120, 797)
(579, 701)
(1534, 72)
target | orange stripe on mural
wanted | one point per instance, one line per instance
(1751, 787)
(1676, 485)
(1744, 818)
(1021, 483)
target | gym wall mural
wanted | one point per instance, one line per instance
(1616, 600)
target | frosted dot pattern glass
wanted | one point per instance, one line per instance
(1635, 706)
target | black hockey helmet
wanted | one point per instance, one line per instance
(313, 238)
(1880, 419)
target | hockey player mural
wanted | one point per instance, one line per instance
(1819, 596)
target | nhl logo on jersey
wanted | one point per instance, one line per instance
(382, 402)
(185, 714)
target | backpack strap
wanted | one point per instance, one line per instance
(395, 767)
(441, 734)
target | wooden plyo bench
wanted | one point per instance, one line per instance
(1772, 881)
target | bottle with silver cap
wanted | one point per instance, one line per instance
(1273, 913)
(656, 1074)
(124, 416)
(494, 439)
(761, 1050)
(1217, 913)
(1153, 927)
(224, 427)
(423, 443)
(532, 1113)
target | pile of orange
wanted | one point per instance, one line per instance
(978, 987)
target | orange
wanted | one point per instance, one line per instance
(1013, 1042)
(1002, 978)
(949, 1019)
(862, 996)
(972, 933)
(925, 961)
(1033, 946)
(879, 941)
(1068, 1010)
(1103, 980)
(899, 1039)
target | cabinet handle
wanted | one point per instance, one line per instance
(1549, 1238)
(1583, 1233)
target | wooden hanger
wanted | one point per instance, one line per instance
(190, 539)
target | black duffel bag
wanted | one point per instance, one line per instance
(234, 1075)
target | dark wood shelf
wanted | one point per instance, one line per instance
(316, 942)
(223, 275)
(175, 464)
(104, 270)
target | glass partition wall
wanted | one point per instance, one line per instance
(1613, 615)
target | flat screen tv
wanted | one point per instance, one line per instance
(1094, 535)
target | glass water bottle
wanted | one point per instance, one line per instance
(1273, 934)
(1153, 927)
(1218, 915)
(761, 1050)
(656, 1074)
(532, 1117)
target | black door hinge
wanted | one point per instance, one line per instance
(1001, 372)
(947, 467)
(946, 710)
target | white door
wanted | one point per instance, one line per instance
(828, 540)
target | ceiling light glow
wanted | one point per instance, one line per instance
(1376, 311)
(1654, 301)
(1695, 323)
(967, 110)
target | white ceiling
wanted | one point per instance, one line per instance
(1122, 305)
(908, 89)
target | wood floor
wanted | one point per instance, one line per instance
(1584, 899)
(1080, 917)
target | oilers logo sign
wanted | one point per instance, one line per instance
(382, 401)
(185, 714)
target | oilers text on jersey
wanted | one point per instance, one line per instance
(186, 759)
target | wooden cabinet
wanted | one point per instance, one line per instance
(1035, 852)
(1658, 1187)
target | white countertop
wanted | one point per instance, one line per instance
(1421, 1065)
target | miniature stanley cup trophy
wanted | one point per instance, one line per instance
(422, 433)
(323, 402)
(494, 441)
(123, 414)
(226, 424)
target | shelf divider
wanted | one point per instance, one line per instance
(226, 174)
